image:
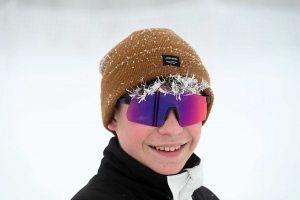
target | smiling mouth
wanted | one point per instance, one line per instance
(174, 148)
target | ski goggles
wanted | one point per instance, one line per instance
(153, 111)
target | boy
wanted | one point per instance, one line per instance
(155, 97)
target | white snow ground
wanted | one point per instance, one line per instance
(51, 135)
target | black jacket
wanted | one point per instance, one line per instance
(120, 177)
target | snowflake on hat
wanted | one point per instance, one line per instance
(172, 84)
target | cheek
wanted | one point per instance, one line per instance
(195, 132)
(132, 136)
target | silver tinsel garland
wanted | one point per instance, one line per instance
(172, 84)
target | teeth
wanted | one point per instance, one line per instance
(168, 148)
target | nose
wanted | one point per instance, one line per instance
(171, 125)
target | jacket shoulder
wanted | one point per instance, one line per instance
(99, 188)
(204, 193)
(94, 190)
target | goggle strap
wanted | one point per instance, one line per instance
(125, 100)
(207, 99)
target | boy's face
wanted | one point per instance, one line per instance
(141, 141)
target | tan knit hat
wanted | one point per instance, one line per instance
(147, 54)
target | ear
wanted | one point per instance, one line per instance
(112, 125)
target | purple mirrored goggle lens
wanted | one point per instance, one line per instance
(153, 111)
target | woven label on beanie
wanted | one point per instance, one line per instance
(171, 60)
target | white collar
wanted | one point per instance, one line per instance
(184, 184)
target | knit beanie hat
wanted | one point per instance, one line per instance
(143, 56)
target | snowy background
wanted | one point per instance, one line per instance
(51, 135)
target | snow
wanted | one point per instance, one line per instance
(174, 84)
